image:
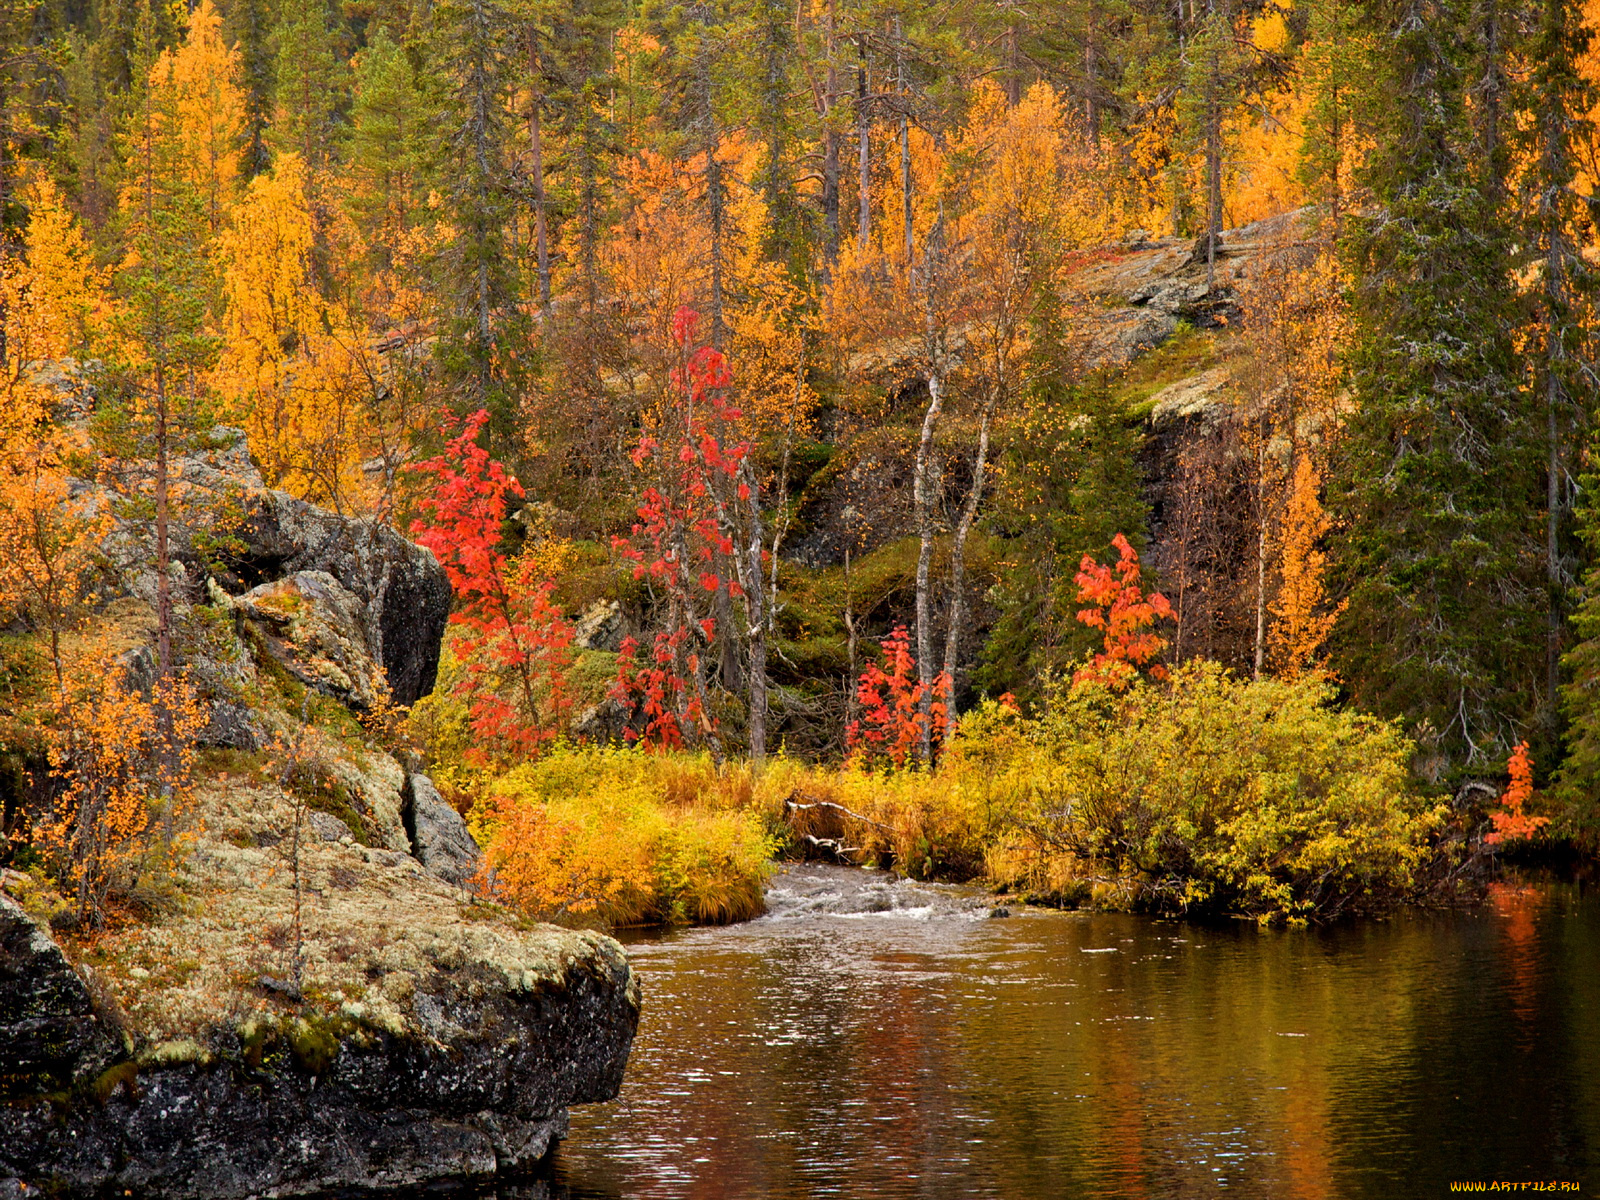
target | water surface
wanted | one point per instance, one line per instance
(879, 1039)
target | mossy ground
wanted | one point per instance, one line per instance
(375, 928)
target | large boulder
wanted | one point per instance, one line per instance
(51, 1035)
(310, 624)
(230, 527)
(440, 839)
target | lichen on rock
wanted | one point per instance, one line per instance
(433, 1036)
(319, 1005)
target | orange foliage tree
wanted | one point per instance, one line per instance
(1126, 616)
(200, 107)
(126, 762)
(1304, 619)
(1510, 822)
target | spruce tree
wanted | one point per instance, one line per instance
(474, 41)
(1433, 486)
(249, 27)
(388, 149)
(310, 84)
(1562, 351)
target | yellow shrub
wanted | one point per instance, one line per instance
(627, 837)
(1207, 793)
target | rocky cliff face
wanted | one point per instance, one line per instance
(319, 1001)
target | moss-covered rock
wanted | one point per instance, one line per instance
(420, 1038)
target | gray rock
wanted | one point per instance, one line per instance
(66, 381)
(403, 593)
(234, 727)
(440, 839)
(599, 628)
(1200, 399)
(603, 722)
(327, 827)
(232, 527)
(287, 1107)
(311, 625)
(51, 1035)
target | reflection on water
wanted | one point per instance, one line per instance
(870, 1039)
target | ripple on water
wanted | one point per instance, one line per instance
(872, 1037)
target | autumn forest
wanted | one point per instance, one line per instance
(1133, 452)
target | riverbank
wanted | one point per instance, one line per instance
(1203, 795)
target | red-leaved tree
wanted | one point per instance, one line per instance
(699, 538)
(1126, 616)
(515, 649)
(893, 716)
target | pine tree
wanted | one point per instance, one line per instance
(164, 277)
(1069, 484)
(310, 85)
(1433, 486)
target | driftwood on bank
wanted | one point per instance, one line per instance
(809, 803)
(797, 803)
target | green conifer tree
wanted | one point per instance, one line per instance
(1434, 486)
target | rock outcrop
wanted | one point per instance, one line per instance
(236, 531)
(440, 839)
(314, 1001)
(428, 1039)
(477, 1081)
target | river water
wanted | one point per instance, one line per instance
(871, 1038)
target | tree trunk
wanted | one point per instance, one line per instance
(1493, 88)
(905, 147)
(591, 217)
(1552, 535)
(536, 143)
(1261, 565)
(958, 546)
(1213, 166)
(715, 201)
(1013, 66)
(1091, 74)
(755, 615)
(163, 554)
(830, 145)
(925, 496)
(851, 642)
(864, 159)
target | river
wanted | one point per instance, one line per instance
(873, 1038)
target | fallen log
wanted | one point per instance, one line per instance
(791, 803)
